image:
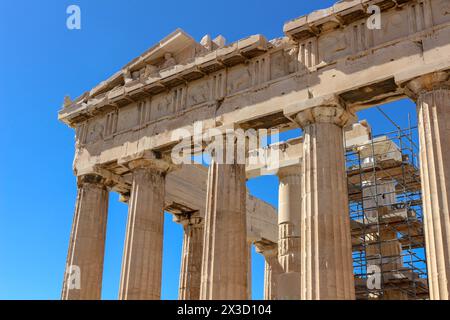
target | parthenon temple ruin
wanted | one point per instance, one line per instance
(360, 215)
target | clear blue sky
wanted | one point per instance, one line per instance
(41, 61)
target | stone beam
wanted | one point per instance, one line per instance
(186, 191)
(289, 152)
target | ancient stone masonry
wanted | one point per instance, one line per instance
(329, 65)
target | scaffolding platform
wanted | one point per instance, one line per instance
(385, 205)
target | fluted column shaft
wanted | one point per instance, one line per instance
(272, 269)
(191, 258)
(84, 267)
(225, 251)
(269, 285)
(142, 258)
(433, 109)
(432, 95)
(289, 210)
(326, 252)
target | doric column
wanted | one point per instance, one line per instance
(191, 256)
(84, 267)
(272, 268)
(432, 93)
(142, 258)
(326, 251)
(225, 251)
(289, 210)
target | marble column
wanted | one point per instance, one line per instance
(225, 251)
(432, 93)
(326, 251)
(142, 257)
(289, 210)
(84, 267)
(272, 268)
(191, 256)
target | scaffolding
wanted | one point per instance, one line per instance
(386, 216)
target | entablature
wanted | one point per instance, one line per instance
(255, 92)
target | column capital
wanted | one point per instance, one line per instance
(267, 248)
(148, 160)
(323, 109)
(189, 219)
(287, 171)
(333, 114)
(426, 83)
(92, 178)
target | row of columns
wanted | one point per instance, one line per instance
(215, 251)
(314, 259)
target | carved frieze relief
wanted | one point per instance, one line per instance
(440, 11)
(95, 133)
(445, 7)
(278, 65)
(239, 78)
(198, 92)
(127, 117)
(333, 45)
(161, 106)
